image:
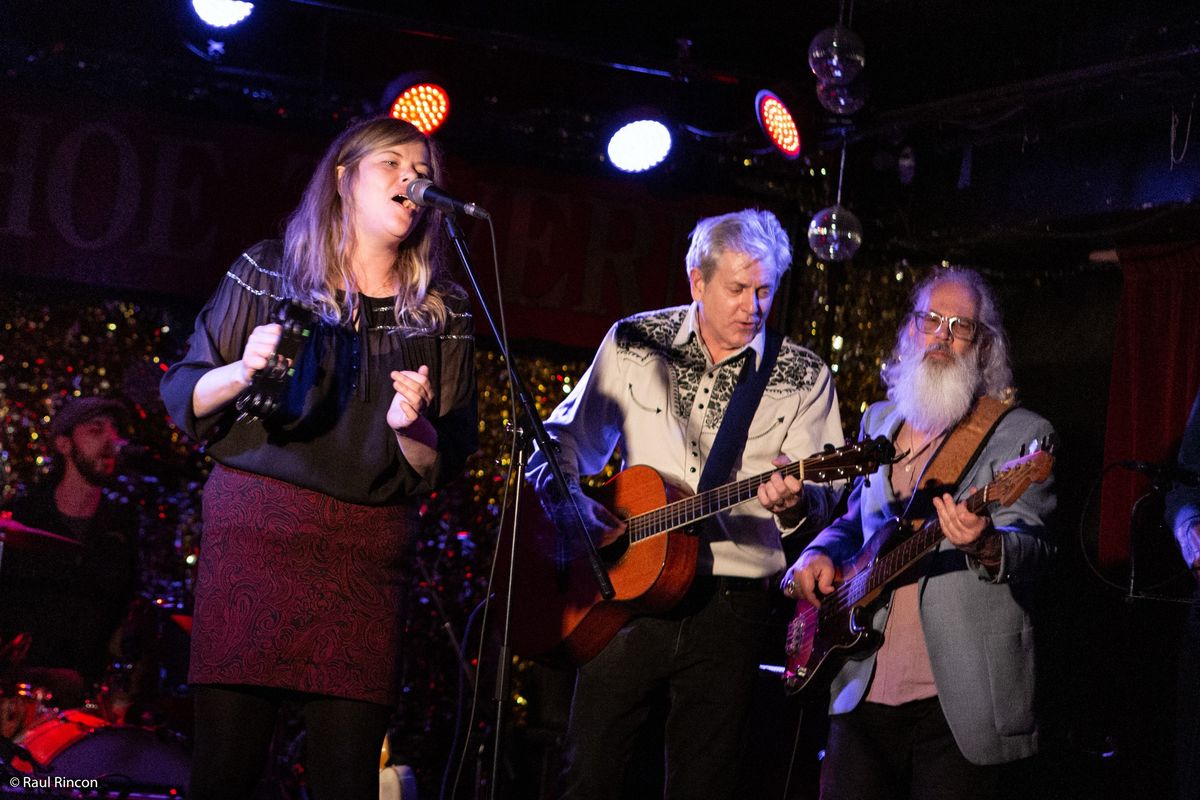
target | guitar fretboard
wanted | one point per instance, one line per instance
(1005, 488)
(861, 458)
(908, 552)
(705, 504)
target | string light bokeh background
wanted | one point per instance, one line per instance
(60, 344)
(56, 343)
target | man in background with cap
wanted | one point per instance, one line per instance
(70, 600)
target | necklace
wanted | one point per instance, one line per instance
(910, 460)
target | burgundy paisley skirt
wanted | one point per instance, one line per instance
(297, 590)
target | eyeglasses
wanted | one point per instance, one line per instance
(932, 322)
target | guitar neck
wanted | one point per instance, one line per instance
(700, 506)
(908, 552)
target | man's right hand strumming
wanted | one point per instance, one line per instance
(602, 525)
(811, 577)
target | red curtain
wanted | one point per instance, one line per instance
(1155, 375)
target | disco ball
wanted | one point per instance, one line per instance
(835, 234)
(836, 55)
(842, 99)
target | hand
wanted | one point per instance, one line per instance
(602, 525)
(811, 577)
(1190, 544)
(260, 346)
(959, 525)
(414, 394)
(780, 493)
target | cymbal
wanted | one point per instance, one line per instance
(22, 537)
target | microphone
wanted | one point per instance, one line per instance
(423, 192)
(1163, 472)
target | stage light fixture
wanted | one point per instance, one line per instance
(418, 100)
(639, 145)
(777, 123)
(222, 13)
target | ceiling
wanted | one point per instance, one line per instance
(1015, 113)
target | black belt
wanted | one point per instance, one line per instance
(728, 583)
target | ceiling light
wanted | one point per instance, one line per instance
(423, 103)
(777, 123)
(640, 145)
(222, 13)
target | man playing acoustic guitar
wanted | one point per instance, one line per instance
(661, 385)
(949, 694)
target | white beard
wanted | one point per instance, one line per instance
(933, 395)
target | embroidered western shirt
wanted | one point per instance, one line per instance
(653, 391)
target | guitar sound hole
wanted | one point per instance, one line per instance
(616, 551)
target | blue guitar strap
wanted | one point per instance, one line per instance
(731, 436)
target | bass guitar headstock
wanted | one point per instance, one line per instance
(1018, 475)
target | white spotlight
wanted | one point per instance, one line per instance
(640, 145)
(222, 13)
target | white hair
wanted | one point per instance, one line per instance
(751, 231)
(993, 372)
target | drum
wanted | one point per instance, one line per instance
(76, 744)
(21, 706)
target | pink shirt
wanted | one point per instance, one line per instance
(902, 670)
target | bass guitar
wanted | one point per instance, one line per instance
(558, 615)
(820, 638)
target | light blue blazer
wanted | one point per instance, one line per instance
(977, 627)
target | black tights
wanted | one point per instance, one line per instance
(234, 727)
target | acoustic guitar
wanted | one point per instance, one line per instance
(558, 615)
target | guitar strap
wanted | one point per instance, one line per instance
(959, 451)
(731, 436)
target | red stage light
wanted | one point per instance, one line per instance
(425, 105)
(777, 123)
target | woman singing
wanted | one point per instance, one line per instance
(307, 511)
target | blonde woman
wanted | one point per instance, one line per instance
(307, 511)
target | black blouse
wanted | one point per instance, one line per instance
(338, 441)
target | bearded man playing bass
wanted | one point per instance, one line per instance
(949, 696)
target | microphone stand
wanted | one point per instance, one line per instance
(550, 451)
(1142, 628)
(1162, 477)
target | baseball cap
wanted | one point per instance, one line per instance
(79, 410)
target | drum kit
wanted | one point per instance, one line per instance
(94, 746)
(123, 740)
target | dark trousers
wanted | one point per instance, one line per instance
(234, 727)
(1187, 753)
(703, 659)
(879, 752)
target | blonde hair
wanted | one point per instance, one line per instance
(319, 236)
